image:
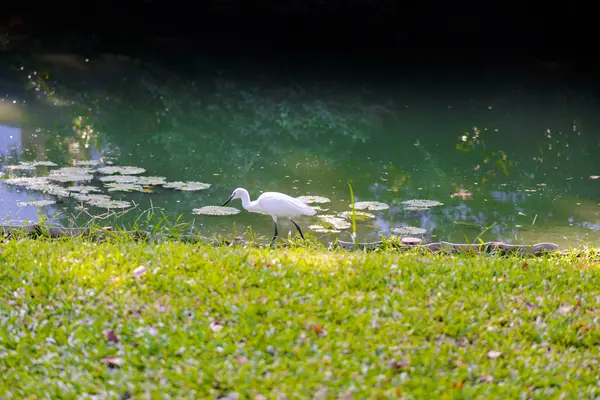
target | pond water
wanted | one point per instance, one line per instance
(509, 157)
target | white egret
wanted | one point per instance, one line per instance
(277, 205)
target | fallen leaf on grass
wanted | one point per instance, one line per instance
(458, 385)
(139, 271)
(317, 329)
(494, 354)
(399, 364)
(241, 359)
(216, 326)
(110, 335)
(564, 310)
(486, 378)
(112, 362)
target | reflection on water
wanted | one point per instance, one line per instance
(509, 162)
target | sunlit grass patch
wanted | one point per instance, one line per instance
(169, 319)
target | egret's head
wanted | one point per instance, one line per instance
(237, 194)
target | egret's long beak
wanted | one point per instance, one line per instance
(228, 200)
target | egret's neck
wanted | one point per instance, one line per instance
(246, 203)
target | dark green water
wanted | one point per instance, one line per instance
(395, 138)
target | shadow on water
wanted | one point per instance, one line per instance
(495, 150)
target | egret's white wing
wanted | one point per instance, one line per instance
(282, 205)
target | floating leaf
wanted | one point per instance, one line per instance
(120, 179)
(21, 167)
(89, 163)
(73, 171)
(55, 190)
(216, 326)
(494, 354)
(151, 180)
(36, 203)
(322, 229)
(83, 189)
(360, 215)
(333, 222)
(408, 230)
(126, 170)
(71, 174)
(123, 187)
(110, 336)
(313, 199)
(370, 205)
(411, 208)
(215, 210)
(44, 164)
(112, 362)
(422, 204)
(187, 186)
(462, 194)
(91, 197)
(139, 271)
(29, 181)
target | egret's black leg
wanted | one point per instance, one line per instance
(275, 236)
(297, 227)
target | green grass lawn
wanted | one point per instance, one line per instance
(87, 320)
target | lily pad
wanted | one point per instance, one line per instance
(126, 170)
(414, 208)
(422, 203)
(27, 181)
(73, 171)
(359, 215)
(101, 201)
(70, 178)
(55, 190)
(409, 230)
(40, 184)
(187, 186)
(151, 180)
(123, 187)
(91, 197)
(215, 210)
(36, 203)
(89, 163)
(313, 199)
(83, 189)
(110, 203)
(322, 229)
(333, 222)
(120, 178)
(370, 205)
(71, 174)
(21, 167)
(44, 164)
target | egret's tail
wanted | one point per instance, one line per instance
(311, 211)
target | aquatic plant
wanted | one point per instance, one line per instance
(422, 204)
(215, 210)
(408, 230)
(359, 215)
(125, 170)
(186, 186)
(370, 205)
(313, 199)
(331, 221)
(36, 203)
(123, 187)
(120, 178)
